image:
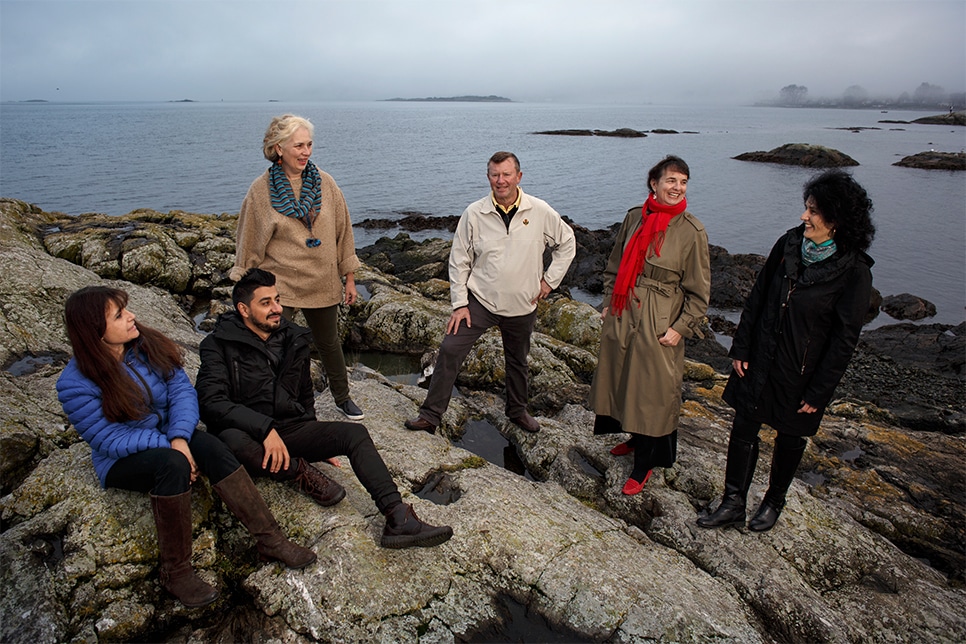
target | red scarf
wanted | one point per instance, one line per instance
(645, 242)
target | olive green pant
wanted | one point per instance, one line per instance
(324, 324)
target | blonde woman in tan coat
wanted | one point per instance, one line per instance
(656, 289)
(294, 223)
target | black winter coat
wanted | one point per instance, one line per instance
(237, 387)
(797, 333)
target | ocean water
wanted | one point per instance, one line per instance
(391, 157)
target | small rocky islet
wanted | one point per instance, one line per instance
(868, 549)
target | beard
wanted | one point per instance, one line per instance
(269, 324)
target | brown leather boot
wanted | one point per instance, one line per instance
(311, 481)
(172, 516)
(243, 499)
(405, 530)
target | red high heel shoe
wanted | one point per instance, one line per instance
(622, 449)
(632, 487)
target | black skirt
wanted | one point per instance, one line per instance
(662, 451)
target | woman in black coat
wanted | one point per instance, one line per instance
(796, 336)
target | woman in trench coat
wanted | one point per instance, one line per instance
(656, 289)
(795, 338)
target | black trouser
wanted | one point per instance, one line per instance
(164, 471)
(747, 430)
(317, 441)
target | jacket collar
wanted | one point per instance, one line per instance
(820, 272)
(231, 327)
(523, 202)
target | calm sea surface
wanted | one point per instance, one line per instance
(431, 157)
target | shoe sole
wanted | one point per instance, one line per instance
(351, 416)
(408, 541)
(739, 522)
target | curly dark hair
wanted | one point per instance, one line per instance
(845, 207)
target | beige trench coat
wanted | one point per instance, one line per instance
(638, 381)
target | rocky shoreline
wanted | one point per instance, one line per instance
(868, 549)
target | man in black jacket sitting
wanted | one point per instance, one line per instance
(255, 392)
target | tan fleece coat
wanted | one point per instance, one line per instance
(309, 278)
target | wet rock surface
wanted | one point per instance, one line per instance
(869, 547)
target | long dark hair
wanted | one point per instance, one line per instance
(85, 313)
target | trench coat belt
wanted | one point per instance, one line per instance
(665, 289)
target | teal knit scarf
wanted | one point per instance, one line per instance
(306, 208)
(812, 252)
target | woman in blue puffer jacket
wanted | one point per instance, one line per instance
(127, 395)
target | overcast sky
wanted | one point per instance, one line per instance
(726, 51)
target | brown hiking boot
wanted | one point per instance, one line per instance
(311, 481)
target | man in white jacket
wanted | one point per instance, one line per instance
(496, 278)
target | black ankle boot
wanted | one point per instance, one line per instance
(766, 516)
(742, 457)
(405, 530)
(784, 464)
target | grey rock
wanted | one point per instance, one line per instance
(934, 161)
(868, 548)
(801, 154)
(952, 118)
(906, 306)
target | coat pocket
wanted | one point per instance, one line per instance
(663, 304)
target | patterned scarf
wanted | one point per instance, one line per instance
(305, 209)
(812, 252)
(645, 242)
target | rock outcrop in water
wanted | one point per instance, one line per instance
(623, 133)
(952, 118)
(934, 161)
(868, 549)
(802, 154)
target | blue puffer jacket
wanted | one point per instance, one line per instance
(174, 406)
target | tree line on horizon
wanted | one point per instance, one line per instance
(926, 96)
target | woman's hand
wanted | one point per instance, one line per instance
(351, 294)
(807, 409)
(670, 338)
(740, 367)
(334, 461)
(181, 445)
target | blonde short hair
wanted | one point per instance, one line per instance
(281, 129)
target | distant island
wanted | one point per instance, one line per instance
(924, 97)
(455, 99)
